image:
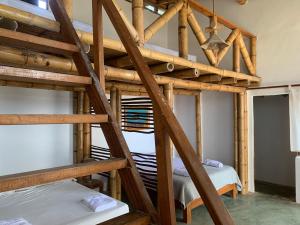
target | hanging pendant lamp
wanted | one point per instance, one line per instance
(214, 42)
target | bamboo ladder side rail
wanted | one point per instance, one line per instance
(131, 179)
(203, 183)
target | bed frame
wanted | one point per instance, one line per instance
(187, 211)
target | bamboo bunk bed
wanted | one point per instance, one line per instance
(48, 54)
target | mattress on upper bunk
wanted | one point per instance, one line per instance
(56, 204)
(79, 25)
(185, 190)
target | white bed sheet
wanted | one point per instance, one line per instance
(56, 204)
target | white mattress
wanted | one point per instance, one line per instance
(56, 204)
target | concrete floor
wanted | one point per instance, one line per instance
(253, 209)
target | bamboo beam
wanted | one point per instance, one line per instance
(233, 35)
(162, 68)
(183, 74)
(98, 41)
(23, 40)
(28, 179)
(21, 84)
(86, 129)
(209, 78)
(152, 29)
(245, 55)
(36, 119)
(253, 53)
(197, 30)
(183, 44)
(228, 81)
(138, 18)
(31, 19)
(203, 10)
(79, 140)
(198, 126)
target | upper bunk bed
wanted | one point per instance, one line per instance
(184, 72)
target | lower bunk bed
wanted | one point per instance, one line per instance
(186, 196)
(58, 203)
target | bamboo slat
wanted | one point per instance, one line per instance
(35, 119)
(28, 179)
(152, 29)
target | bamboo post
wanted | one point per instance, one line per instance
(198, 126)
(183, 31)
(245, 55)
(236, 56)
(243, 163)
(236, 133)
(169, 94)
(253, 52)
(119, 120)
(138, 18)
(98, 41)
(165, 193)
(79, 145)
(152, 29)
(69, 7)
(197, 30)
(246, 164)
(86, 129)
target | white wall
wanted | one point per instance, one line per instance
(25, 148)
(274, 162)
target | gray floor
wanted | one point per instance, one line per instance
(253, 209)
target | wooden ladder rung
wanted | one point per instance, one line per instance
(35, 119)
(23, 40)
(134, 218)
(28, 179)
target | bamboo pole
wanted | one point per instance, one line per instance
(86, 129)
(130, 27)
(152, 29)
(198, 126)
(209, 78)
(197, 30)
(183, 44)
(242, 145)
(228, 81)
(236, 133)
(69, 7)
(186, 73)
(138, 18)
(51, 25)
(113, 174)
(119, 120)
(236, 56)
(245, 55)
(246, 164)
(231, 38)
(253, 53)
(168, 90)
(43, 61)
(162, 68)
(80, 141)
